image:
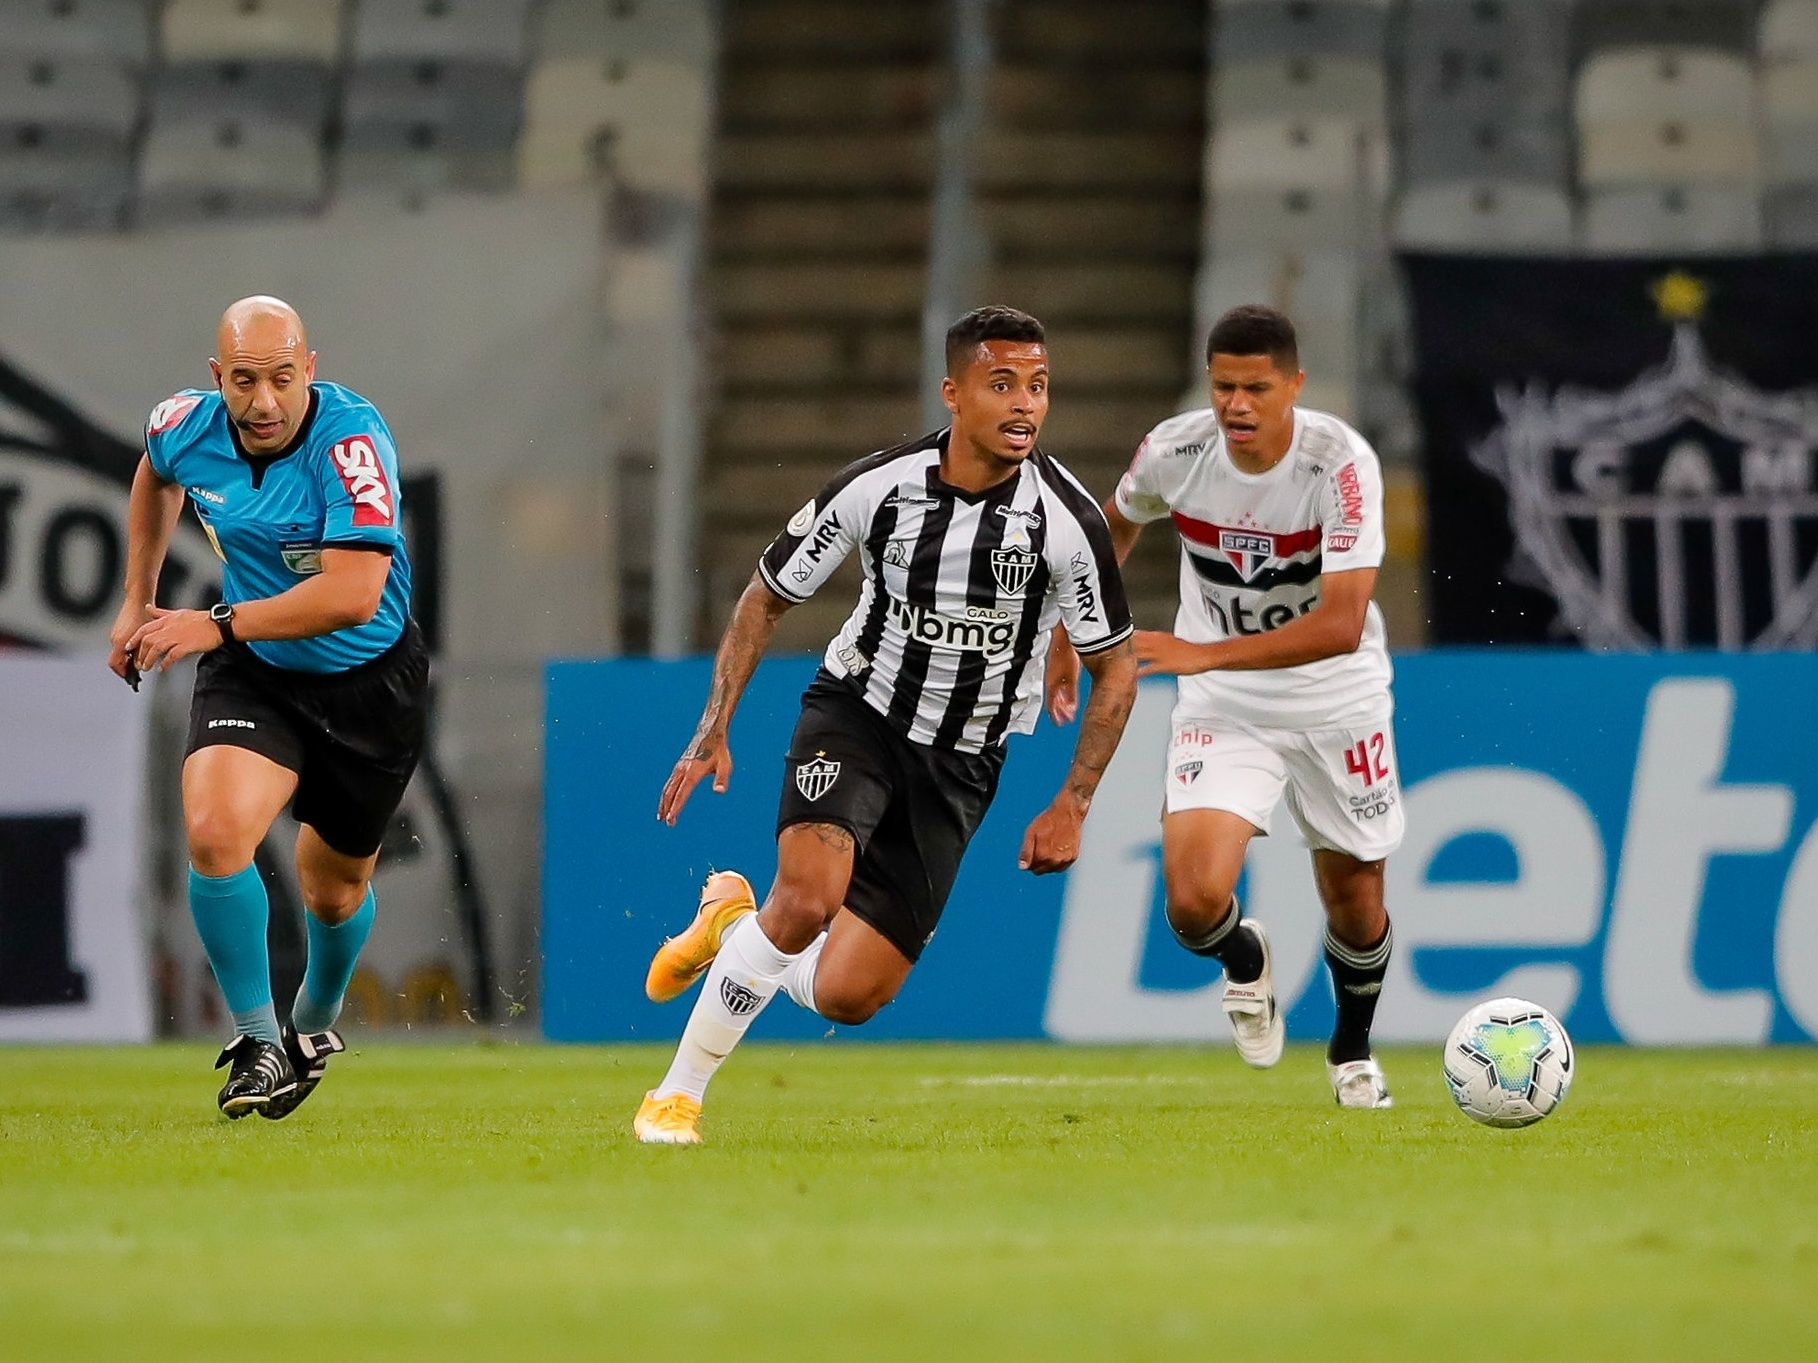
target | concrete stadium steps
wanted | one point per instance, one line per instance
(816, 271)
(1087, 179)
(1089, 184)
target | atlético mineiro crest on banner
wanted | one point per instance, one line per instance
(1677, 512)
(814, 779)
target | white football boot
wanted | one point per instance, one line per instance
(1256, 1023)
(1359, 1083)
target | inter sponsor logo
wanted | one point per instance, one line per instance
(363, 475)
(975, 632)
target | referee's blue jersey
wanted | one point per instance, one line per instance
(335, 485)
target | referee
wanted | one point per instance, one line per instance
(312, 681)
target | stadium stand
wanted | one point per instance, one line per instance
(211, 168)
(490, 32)
(118, 30)
(1788, 47)
(252, 30)
(1668, 150)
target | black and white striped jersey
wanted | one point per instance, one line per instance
(949, 640)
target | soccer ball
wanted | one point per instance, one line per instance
(1508, 1063)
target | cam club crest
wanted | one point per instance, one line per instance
(814, 779)
(1012, 568)
(1677, 512)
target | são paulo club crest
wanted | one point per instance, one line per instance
(1679, 511)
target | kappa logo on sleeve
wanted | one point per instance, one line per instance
(363, 475)
(170, 412)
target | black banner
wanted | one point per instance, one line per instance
(1620, 452)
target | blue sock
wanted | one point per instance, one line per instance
(332, 953)
(231, 914)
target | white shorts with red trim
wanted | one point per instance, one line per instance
(1343, 786)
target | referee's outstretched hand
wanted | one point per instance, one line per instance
(705, 755)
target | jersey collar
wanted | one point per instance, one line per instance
(264, 461)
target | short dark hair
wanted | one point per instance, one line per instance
(994, 322)
(1253, 329)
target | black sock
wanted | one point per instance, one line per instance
(1357, 983)
(1237, 950)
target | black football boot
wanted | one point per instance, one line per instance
(261, 1073)
(308, 1053)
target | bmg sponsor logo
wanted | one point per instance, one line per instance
(980, 630)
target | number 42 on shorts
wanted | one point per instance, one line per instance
(1364, 760)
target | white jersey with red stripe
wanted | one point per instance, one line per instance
(1254, 549)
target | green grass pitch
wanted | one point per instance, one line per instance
(874, 1202)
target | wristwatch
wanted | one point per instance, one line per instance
(223, 615)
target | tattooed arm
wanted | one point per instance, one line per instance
(747, 636)
(1052, 842)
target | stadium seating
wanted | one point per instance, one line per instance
(1475, 58)
(1484, 215)
(1791, 212)
(495, 32)
(1720, 24)
(205, 168)
(281, 91)
(1669, 150)
(649, 118)
(1301, 87)
(272, 30)
(1650, 219)
(1252, 30)
(42, 189)
(68, 105)
(116, 29)
(625, 30)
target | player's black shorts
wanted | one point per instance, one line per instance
(352, 737)
(912, 808)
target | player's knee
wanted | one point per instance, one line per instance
(849, 1007)
(1196, 906)
(336, 901)
(219, 843)
(799, 908)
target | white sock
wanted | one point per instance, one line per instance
(798, 979)
(744, 977)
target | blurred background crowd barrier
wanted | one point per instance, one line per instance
(629, 278)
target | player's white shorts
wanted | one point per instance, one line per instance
(1342, 785)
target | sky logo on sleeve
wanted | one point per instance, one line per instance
(364, 477)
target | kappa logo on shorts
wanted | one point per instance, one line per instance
(739, 1000)
(231, 724)
(1188, 772)
(814, 779)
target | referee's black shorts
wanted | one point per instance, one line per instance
(353, 738)
(912, 808)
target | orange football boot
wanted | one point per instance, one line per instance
(668, 1121)
(679, 962)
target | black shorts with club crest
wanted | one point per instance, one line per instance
(353, 737)
(912, 808)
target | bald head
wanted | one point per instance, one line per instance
(264, 366)
(260, 323)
